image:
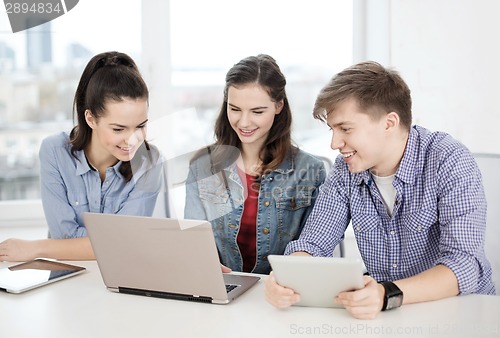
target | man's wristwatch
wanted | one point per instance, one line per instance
(393, 297)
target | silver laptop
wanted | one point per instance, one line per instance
(318, 280)
(162, 257)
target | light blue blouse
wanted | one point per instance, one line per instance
(69, 186)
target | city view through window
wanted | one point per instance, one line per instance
(40, 68)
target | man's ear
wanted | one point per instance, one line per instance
(391, 120)
(90, 118)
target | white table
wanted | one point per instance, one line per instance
(81, 306)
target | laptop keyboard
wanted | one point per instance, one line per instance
(230, 287)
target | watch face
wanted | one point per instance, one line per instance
(394, 301)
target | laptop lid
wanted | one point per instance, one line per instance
(318, 280)
(161, 257)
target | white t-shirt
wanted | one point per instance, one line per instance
(387, 190)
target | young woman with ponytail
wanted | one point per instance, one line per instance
(103, 165)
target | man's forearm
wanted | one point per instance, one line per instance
(436, 283)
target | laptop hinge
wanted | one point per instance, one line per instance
(166, 295)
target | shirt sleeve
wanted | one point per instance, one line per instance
(329, 218)
(59, 214)
(462, 217)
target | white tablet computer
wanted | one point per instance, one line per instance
(32, 274)
(318, 280)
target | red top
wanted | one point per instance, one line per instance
(247, 236)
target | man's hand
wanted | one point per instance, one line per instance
(277, 295)
(365, 303)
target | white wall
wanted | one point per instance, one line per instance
(448, 52)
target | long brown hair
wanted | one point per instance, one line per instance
(264, 71)
(108, 76)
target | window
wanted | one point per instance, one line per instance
(40, 69)
(310, 41)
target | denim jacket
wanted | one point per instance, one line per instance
(286, 198)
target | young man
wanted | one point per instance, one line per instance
(414, 197)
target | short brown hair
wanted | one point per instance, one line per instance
(372, 86)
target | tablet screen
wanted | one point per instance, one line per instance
(35, 273)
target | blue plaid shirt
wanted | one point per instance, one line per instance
(439, 215)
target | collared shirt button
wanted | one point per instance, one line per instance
(419, 228)
(393, 232)
(358, 227)
(266, 203)
(265, 231)
(271, 179)
(394, 265)
(77, 203)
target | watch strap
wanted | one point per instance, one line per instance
(391, 290)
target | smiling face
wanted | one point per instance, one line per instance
(365, 142)
(118, 134)
(251, 113)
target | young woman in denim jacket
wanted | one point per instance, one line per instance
(252, 184)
